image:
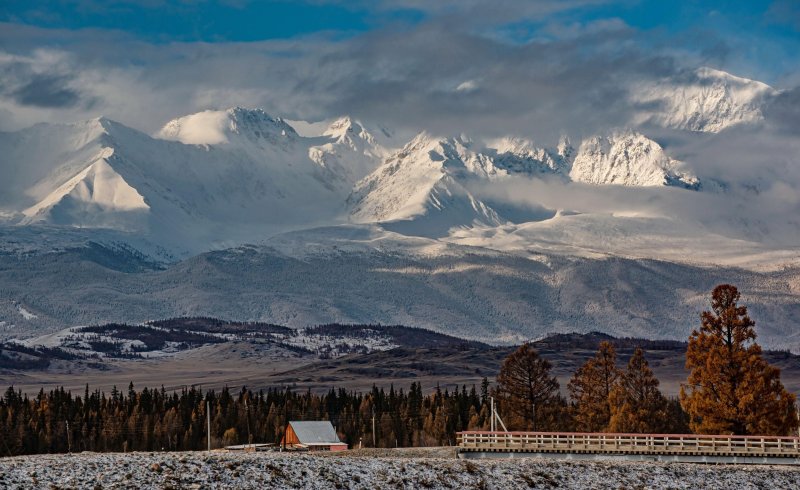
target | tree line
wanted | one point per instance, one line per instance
(730, 390)
(154, 420)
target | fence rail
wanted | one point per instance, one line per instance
(662, 444)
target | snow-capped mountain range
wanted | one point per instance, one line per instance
(218, 179)
(200, 174)
(204, 174)
(206, 177)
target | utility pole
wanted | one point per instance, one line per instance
(496, 418)
(69, 439)
(491, 420)
(208, 424)
(373, 428)
(247, 409)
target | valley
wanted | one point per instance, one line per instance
(212, 354)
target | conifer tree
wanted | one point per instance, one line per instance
(590, 389)
(731, 389)
(526, 386)
(637, 404)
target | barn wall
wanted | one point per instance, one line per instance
(290, 437)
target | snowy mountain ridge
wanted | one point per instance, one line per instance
(218, 168)
(219, 178)
(627, 158)
(705, 100)
(426, 179)
(216, 127)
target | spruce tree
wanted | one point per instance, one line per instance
(590, 389)
(637, 404)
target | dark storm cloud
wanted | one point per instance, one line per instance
(46, 91)
(783, 110)
(434, 76)
(540, 87)
(40, 83)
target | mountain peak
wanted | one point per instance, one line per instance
(519, 155)
(705, 100)
(341, 125)
(346, 128)
(626, 157)
(217, 127)
(708, 73)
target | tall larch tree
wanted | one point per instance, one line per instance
(527, 388)
(590, 389)
(731, 389)
(637, 405)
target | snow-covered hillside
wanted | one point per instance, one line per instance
(426, 188)
(705, 100)
(627, 158)
(227, 177)
(363, 274)
(517, 155)
(351, 150)
(425, 181)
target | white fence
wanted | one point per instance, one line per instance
(679, 444)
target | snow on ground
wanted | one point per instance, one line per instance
(627, 235)
(339, 345)
(81, 340)
(25, 313)
(282, 470)
(55, 339)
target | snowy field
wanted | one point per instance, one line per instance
(388, 469)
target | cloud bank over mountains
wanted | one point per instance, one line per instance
(529, 67)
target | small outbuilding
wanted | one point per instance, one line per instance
(312, 435)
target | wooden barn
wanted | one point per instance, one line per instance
(312, 436)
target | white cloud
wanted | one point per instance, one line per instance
(467, 86)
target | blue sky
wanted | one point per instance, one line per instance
(66, 59)
(763, 35)
(186, 21)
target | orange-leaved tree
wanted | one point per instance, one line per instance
(590, 388)
(731, 389)
(637, 404)
(527, 388)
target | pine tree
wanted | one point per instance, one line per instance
(484, 390)
(637, 404)
(590, 389)
(731, 389)
(525, 385)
